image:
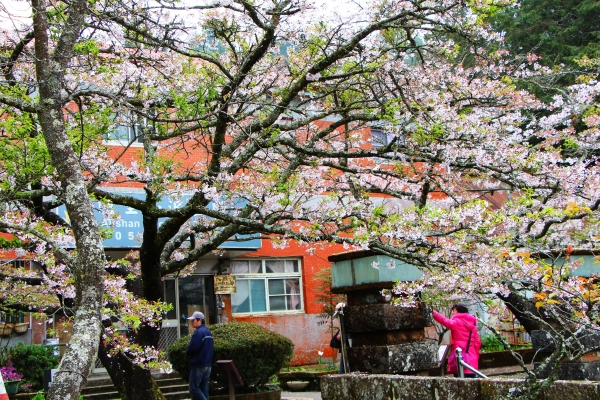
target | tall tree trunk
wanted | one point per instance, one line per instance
(525, 311)
(88, 267)
(131, 381)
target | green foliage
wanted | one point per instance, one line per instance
(23, 153)
(87, 47)
(40, 396)
(491, 343)
(560, 31)
(324, 297)
(11, 243)
(177, 357)
(257, 352)
(31, 361)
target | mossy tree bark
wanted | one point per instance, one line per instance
(88, 264)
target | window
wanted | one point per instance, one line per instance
(381, 138)
(270, 285)
(125, 134)
(130, 129)
(20, 263)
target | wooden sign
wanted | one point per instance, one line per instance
(224, 284)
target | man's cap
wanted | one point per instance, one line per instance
(197, 315)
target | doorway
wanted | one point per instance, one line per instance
(193, 293)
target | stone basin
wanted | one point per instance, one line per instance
(296, 386)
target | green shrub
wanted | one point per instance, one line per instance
(257, 352)
(491, 343)
(31, 360)
(177, 357)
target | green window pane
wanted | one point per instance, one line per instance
(258, 296)
(277, 303)
(276, 286)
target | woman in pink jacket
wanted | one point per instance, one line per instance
(461, 325)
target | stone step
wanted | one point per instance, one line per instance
(509, 370)
(165, 388)
(100, 387)
(160, 382)
(185, 394)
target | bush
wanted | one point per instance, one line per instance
(31, 361)
(257, 352)
(177, 357)
(491, 343)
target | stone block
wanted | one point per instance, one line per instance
(353, 386)
(387, 338)
(395, 359)
(576, 371)
(413, 389)
(542, 341)
(367, 296)
(567, 390)
(381, 317)
(497, 389)
(379, 387)
(586, 342)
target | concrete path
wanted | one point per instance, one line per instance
(300, 395)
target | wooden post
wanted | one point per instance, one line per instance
(228, 369)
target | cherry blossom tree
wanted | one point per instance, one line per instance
(261, 115)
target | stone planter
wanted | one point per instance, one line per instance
(297, 386)
(268, 395)
(312, 377)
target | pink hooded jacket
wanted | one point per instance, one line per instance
(460, 326)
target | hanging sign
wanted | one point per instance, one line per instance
(224, 284)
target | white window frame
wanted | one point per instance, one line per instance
(387, 137)
(117, 138)
(127, 134)
(263, 275)
(379, 138)
(384, 138)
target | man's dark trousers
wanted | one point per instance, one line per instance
(199, 383)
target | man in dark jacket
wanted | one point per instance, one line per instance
(200, 353)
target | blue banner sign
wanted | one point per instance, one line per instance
(127, 231)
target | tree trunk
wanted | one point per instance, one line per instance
(525, 311)
(88, 266)
(131, 381)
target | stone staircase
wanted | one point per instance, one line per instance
(100, 387)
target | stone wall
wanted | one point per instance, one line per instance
(383, 387)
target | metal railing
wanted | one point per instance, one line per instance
(462, 365)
